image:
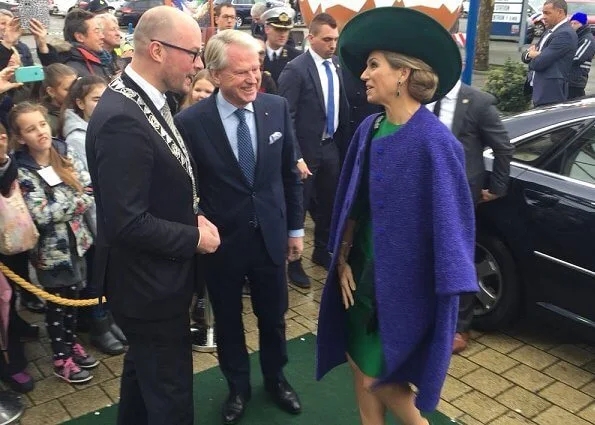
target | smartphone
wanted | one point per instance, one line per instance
(28, 74)
(37, 9)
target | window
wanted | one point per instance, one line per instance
(578, 162)
(532, 150)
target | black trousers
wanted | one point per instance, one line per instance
(225, 271)
(156, 386)
(321, 186)
(576, 92)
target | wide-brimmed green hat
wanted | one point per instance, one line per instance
(401, 30)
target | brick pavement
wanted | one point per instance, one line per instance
(526, 375)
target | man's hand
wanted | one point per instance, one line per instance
(5, 76)
(295, 247)
(487, 196)
(209, 236)
(40, 34)
(12, 33)
(303, 169)
(533, 52)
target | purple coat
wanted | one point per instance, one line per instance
(424, 234)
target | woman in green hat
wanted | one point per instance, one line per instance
(403, 223)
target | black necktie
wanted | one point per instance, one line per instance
(274, 57)
(437, 106)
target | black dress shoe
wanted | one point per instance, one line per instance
(297, 275)
(284, 396)
(233, 408)
(321, 257)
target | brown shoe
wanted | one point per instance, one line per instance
(460, 342)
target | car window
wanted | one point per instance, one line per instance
(579, 160)
(531, 150)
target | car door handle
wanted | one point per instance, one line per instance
(540, 199)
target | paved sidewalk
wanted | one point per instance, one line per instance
(524, 376)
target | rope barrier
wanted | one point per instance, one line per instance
(44, 294)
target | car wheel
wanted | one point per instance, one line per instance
(499, 298)
(239, 21)
(538, 29)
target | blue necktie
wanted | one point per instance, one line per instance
(246, 156)
(330, 104)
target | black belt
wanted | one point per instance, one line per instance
(326, 141)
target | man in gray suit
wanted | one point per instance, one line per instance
(550, 60)
(472, 117)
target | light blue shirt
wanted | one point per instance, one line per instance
(230, 124)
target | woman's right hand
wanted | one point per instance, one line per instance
(347, 283)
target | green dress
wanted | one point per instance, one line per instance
(364, 345)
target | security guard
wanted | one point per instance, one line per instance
(278, 22)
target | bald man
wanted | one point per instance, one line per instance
(150, 228)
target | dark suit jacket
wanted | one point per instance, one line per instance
(552, 66)
(477, 125)
(226, 196)
(147, 229)
(275, 68)
(300, 84)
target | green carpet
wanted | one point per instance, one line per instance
(329, 402)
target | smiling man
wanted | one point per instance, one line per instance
(244, 147)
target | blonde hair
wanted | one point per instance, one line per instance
(216, 50)
(62, 165)
(422, 82)
(203, 74)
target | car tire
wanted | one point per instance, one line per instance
(239, 21)
(497, 277)
(538, 29)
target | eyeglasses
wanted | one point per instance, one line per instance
(193, 53)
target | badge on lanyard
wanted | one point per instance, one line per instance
(49, 175)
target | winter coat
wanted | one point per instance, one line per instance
(74, 132)
(57, 211)
(581, 64)
(424, 240)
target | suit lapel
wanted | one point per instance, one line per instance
(128, 82)
(216, 134)
(463, 101)
(315, 79)
(343, 109)
(261, 116)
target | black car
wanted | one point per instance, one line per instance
(131, 11)
(243, 8)
(536, 246)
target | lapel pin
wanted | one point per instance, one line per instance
(266, 114)
(465, 100)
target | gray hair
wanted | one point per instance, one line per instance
(258, 9)
(108, 17)
(216, 50)
(558, 4)
(6, 12)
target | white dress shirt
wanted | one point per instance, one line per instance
(320, 67)
(154, 94)
(230, 124)
(271, 51)
(448, 105)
